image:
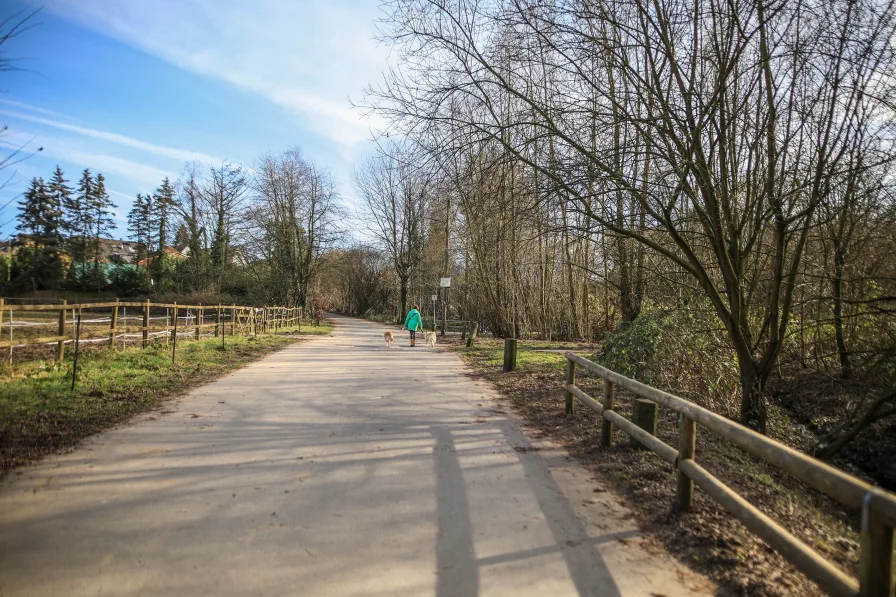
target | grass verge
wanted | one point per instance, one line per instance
(708, 539)
(41, 414)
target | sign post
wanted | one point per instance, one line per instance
(434, 299)
(444, 283)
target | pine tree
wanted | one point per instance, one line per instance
(101, 221)
(40, 219)
(70, 214)
(163, 200)
(182, 236)
(139, 225)
(79, 223)
(62, 195)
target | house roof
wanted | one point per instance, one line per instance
(169, 251)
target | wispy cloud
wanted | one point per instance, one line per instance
(308, 57)
(135, 171)
(183, 155)
(57, 149)
(36, 109)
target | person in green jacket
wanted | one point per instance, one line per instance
(414, 323)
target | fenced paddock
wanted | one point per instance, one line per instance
(877, 507)
(49, 331)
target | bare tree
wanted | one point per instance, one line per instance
(225, 195)
(718, 128)
(295, 216)
(12, 27)
(396, 193)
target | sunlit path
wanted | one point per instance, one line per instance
(335, 467)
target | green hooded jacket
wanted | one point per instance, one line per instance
(412, 321)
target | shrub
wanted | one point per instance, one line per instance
(679, 350)
(128, 281)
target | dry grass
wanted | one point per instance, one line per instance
(708, 539)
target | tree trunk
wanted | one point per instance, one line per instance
(753, 411)
(839, 261)
(404, 298)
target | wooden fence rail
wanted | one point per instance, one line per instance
(194, 319)
(878, 507)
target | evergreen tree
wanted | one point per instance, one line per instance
(79, 224)
(40, 221)
(163, 200)
(101, 221)
(182, 236)
(62, 196)
(139, 225)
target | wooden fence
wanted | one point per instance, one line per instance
(45, 330)
(878, 507)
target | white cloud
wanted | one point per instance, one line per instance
(183, 155)
(37, 109)
(308, 57)
(149, 176)
(57, 149)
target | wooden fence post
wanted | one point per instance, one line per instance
(174, 336)
(687, 447)
(570, 381)
(113, 324)
(11, 326)
(60, 346)
(474, 327)
(606, 428)
(509, 354)
(77, 344)
(233, 320)
(644, 416)
(146, 325)
(875, 553)
(3, 302)
(200, 315)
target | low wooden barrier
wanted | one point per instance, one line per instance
(194, 323)
(878, 507)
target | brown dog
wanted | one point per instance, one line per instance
(390, 338)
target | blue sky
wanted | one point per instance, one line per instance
(136, 88)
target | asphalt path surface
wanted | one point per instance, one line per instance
(336, 467)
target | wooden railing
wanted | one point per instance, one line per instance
(23, 326)
(878, 507)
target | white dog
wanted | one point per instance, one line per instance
(430, 339)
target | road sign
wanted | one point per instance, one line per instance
(445, 282)
(435, 298)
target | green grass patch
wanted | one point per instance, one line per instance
(325, 327)
(488, 354)
(40, 413)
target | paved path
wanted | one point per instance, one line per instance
(335, 467)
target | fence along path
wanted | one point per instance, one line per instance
(109, 323)
(878, 507)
